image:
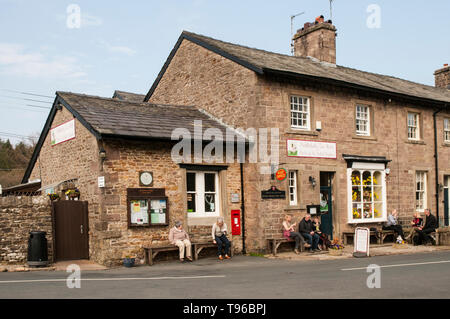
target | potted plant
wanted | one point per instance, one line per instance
(336, 248)
(53, 196)
(128, 261)
(73, 194)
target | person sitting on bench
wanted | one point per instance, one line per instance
(179, 237)
(307, 231)
(425, 231)
(219, 235)
(415, 223)
(290, 233)
(392, 224)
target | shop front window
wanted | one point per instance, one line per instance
(367, 195)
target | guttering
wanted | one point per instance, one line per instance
(244, 251)
(436, 162)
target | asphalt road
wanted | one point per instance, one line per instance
(424, 275)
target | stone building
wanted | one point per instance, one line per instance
(354, 145)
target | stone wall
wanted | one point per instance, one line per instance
(18, 216)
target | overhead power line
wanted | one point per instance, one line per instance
(22, 98)
(16, 135)
(25, 109)
(27, 93)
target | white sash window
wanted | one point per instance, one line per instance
(202, 194)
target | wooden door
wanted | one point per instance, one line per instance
(70, 222)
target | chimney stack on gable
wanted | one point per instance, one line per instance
(442, 77)
(317, 40)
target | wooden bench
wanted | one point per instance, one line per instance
(198, 247)
(150, 252)
(345, 236)
(274, 243)
(384, 233)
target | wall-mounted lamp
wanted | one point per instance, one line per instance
(102, 153)
(312, 180)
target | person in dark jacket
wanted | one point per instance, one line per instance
(423, 233)
(307, 230)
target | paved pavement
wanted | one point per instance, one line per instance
(421, 275)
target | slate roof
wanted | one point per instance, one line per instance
(264, 62)
(128, 96)
(111, 117)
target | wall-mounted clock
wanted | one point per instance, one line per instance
(146, 178)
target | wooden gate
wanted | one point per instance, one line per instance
(70, 227)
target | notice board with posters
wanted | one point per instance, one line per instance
(147, 207)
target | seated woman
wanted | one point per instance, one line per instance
(290, 233)
(324, 242)
(415, 224)
(219, 235)
(392, 224)
(179, 237)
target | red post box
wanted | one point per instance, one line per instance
(236, 222)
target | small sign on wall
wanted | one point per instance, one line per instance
(62, 133)
(101, 181)
(235, 198)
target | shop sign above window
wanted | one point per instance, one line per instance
(300, 148)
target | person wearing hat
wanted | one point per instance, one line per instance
(179, 237)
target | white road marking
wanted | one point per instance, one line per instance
(109, 279)
(402, 265)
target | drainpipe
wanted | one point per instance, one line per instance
(244, 251)
(436, 163)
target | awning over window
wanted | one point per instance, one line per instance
(364, 159)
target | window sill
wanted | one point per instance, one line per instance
(417, 142)
(201, 220)
(363, 137)
(301, 132)
(446, 144)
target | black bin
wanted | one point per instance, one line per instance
(37, 249)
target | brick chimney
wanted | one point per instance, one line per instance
(442, 77)
(317, 40)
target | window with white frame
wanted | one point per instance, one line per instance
(202, 194)
(367, 193)
(362, 120)
(447, 130)
(421, 191)
(300, 112)
(293, 188)
(413, 126)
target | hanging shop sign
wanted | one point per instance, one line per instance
(281, 174)
(313, 149)
(62, 133)
(273, 193)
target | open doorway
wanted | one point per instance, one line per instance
(326, 202)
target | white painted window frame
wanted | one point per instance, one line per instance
(362, 120)
(293, 191)
(414, 126)
(447, 130)
(200, 194)
(295, 109)
(371, 167)
(421, 177)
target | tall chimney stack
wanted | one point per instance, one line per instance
(317, 40)
(442, 77)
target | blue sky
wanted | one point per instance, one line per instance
(123, 44)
